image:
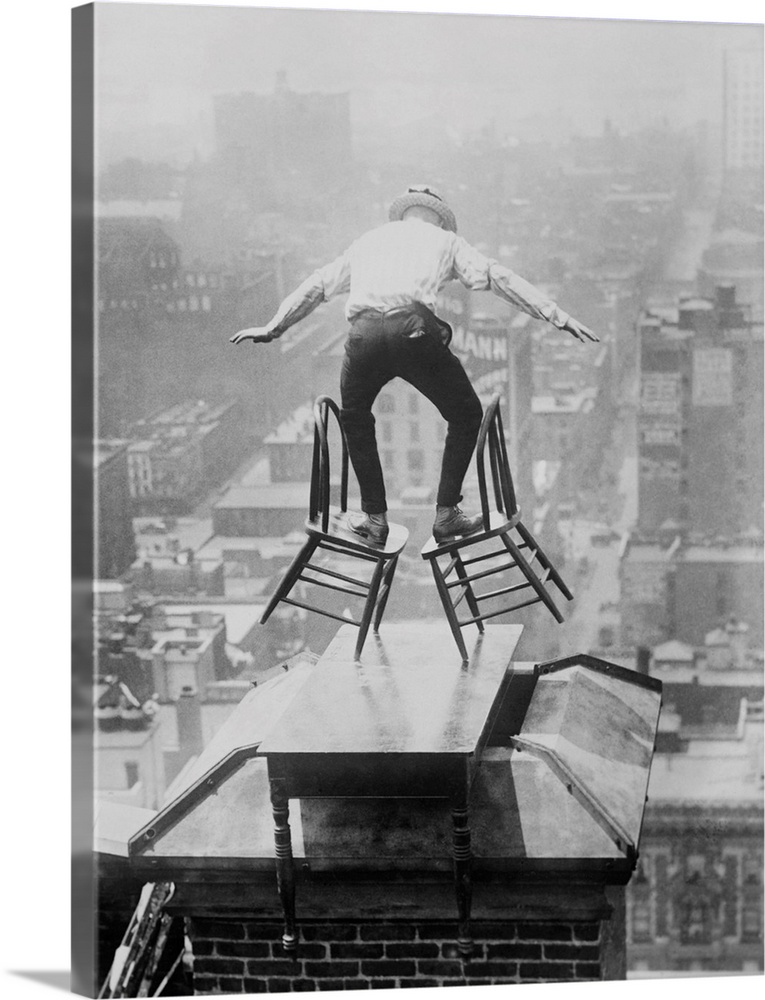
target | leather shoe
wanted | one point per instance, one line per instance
(450, 521)
(372, 527)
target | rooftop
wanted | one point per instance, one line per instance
(267, 496)
(104, 449)
(240, 618)
(189, 532)
(158, 208)
(715, 551)
(298, 428)
(220, 546)
(673, 650)
(706, 777)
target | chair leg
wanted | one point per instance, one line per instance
(531, 576)
(469, 595)
(544, 561)
(387, 583)
(291, 576)
(448, 607)
(369, 606)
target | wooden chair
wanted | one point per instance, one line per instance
(327, 530)
(519, 551)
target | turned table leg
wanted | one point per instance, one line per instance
(285, 870)
(463, 881)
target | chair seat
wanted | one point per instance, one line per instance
(498, 523)
(339, 532)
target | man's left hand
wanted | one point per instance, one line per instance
(257, 334)
(580, 331)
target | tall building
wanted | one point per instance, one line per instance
(179, 452)
(115, 549)
(743, 109)
(700, 423)
(696, 904)
(671, 588)
(285, 141)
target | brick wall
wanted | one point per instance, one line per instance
(236, 956)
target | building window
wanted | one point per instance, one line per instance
(193, 304)
(641, 921)
(752, 869)
(414, 431)
(751, 922)
(201, 280)
(388, 462)
(386, 403)
(415, 460)
(722, 593)
(206, 303)
(386, 429)
(414, 402)
(190, 280)
(131, 773)
(695, 923)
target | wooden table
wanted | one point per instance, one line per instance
(409, 720)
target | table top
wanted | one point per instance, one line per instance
(410, 694)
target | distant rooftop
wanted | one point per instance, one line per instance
(640, 197)
(674, 650)
(715, 551)
(266, 547)
(266, 496)
(240, 618)
(104, 449)
(675, 778)
(158, 208)
(297, 428)
(190, 532)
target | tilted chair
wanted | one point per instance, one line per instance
(328, 531)
(519, 551)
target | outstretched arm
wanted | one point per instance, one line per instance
(332, 279)
(482, 273)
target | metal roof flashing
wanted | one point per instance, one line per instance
(594, 724)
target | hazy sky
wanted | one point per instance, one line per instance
(160, 65)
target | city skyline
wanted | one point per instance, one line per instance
(556, 75)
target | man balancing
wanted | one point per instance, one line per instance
(393, 275)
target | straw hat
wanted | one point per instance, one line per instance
(427, 197)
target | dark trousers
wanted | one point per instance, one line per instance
(379, 349)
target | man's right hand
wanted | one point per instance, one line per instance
(257, 334)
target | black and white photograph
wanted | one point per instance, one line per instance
(417, 500)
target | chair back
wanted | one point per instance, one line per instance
(491, 433)
(320, 467)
